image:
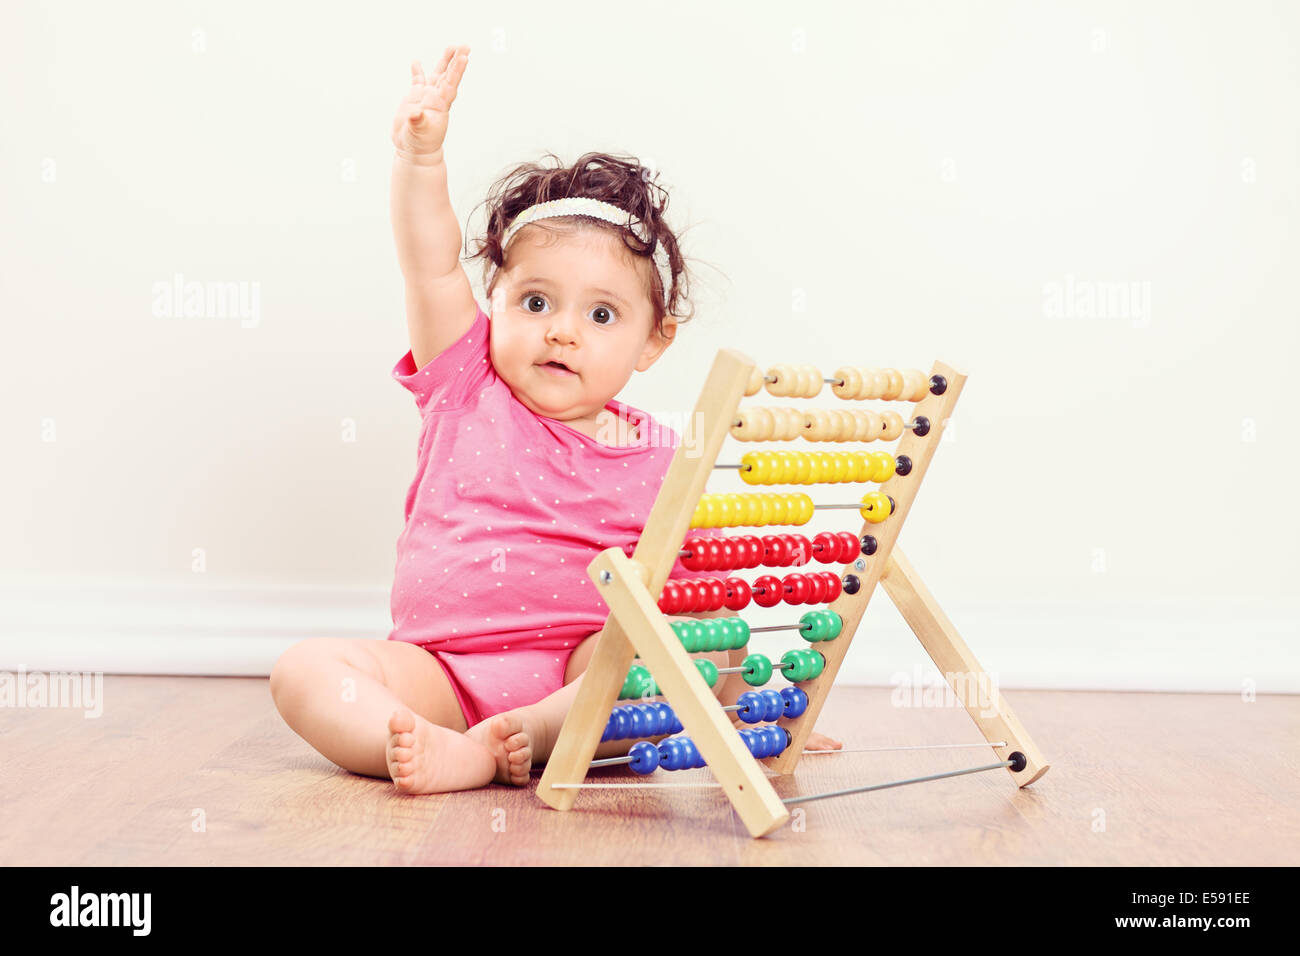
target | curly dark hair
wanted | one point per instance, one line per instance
(622, 181)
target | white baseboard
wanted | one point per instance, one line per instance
(1211, 645)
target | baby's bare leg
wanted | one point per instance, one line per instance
(349, 698)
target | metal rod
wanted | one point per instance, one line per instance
(737, 670)
(626, 786)
(738, 422)
(872, 750)
(895, 783)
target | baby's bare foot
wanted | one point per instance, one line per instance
(818, 741)
(511, 747)
(513, 738)
(425, 758)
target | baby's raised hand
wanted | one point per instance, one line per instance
(421, 122)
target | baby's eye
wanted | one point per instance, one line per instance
(603, 315)
(529, 299)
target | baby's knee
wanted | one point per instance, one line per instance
(297, 664)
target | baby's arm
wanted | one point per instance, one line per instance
(440, 305)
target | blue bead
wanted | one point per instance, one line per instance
(775, 738)
(653, 719)
(638, 721)
(747, 736)
(775, 704)
(672, 756)
(645, 757)
(796, 701)
(671, 724)
(692, 754)
(618, 718)
(751, 707)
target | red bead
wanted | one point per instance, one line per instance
(767, 590)
(695, 560)
(717, 594)
(826, 547)
(712, 555)
(738, 594)
(833, 585)
(852, 546)
(777, 551)
(700, 597)
(796, 588)
(816, 588)
(755, 550)
(801, 548)
(670, 601)
(727, 548)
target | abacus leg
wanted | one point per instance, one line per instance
(989, 710)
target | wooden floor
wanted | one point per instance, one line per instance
(201, 771)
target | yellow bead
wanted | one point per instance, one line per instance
(875, 507)
(884, 466)
(841, 463)
(751, 471)
(819, 467)
(803, 468)
(771, 467)
(803, 509)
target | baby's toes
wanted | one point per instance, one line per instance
(402, 721)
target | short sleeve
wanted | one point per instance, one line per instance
(455, 376)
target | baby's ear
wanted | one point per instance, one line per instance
(657, 344)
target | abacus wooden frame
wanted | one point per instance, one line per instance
(630, 586)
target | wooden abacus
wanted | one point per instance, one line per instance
(634, 589)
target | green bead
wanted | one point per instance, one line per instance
(818, 664)
(713, 634)
(812, 626)
(837, 625)
(739, 633)
(800, 666)
(639, 683)
(683, 635)
(758, 670)
(708, 670)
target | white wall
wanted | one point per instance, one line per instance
(882, 184)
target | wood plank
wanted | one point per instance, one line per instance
(1138, 779)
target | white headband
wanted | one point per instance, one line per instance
(593, 209)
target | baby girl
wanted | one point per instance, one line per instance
(527, 466)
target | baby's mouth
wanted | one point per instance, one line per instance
(558, 367)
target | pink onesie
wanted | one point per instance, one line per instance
(506, 511)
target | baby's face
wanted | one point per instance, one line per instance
(577, 300)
